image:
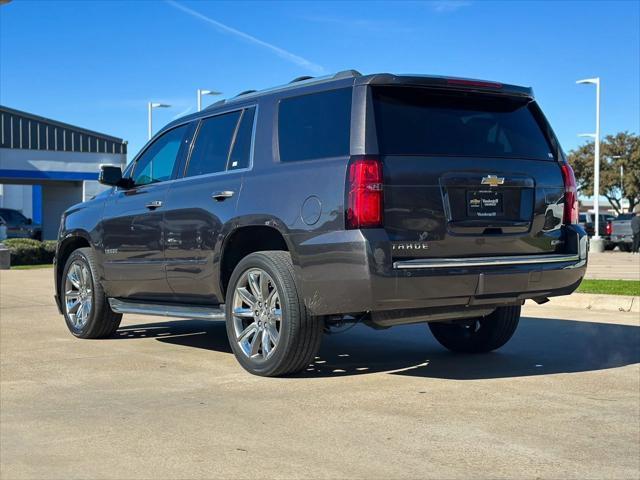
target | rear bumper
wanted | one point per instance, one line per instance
(622, 238)
(352, 271)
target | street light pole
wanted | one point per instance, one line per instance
(150, 107)
(597, 243)
(205, 92)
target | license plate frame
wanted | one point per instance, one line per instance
(484, 203)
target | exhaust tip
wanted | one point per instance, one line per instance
(540, 300)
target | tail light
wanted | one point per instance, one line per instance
(364, 197)
(608, 229)
(570, 195)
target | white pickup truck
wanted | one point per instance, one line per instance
(621, 234)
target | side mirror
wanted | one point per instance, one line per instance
(112, 175)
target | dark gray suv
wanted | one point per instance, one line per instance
(383, 199)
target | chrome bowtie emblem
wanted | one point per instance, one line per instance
(492, 180)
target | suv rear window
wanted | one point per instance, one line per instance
(419, 121)
(315, 126)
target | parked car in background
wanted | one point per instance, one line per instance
(621, 234)
(587, 220)
(19, 226)
(3, 229)
(382, 199)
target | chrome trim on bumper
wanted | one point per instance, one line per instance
(202, 313)
(484, 261)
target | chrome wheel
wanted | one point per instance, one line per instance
(257, 314)
(78, 294)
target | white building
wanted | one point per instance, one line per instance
(47, 166)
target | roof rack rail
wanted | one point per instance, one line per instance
(347, 74)
(307, 79)
(300, 79)
(246, 92)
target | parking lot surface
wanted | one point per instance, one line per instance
(166, 399)
(613, 265)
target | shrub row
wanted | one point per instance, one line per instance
(26, 251)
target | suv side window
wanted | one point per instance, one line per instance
(156, 164)
(315, 126)
(211, 149)
(241, 152)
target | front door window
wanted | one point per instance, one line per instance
(158, 162)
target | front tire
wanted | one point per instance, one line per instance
(84, 304)
(478, 335)
(270, 331)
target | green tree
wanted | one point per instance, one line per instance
(619, 150)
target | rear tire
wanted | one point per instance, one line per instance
(84, 304)
(269, 329)
(478, 335)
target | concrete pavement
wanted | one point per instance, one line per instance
(612, 265)
(166, 399)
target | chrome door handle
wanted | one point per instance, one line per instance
(153, 205)
(220, 196)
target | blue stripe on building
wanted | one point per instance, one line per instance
(36, 204)
(47, 175)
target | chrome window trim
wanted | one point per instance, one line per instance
(497, 261)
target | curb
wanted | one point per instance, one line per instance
(591, 301)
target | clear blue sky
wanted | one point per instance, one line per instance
(96, 64)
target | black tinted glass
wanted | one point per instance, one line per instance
(13, 217)
(211, 149)
(417, 121)
(315, 126)
(157, 163)
(241, 152)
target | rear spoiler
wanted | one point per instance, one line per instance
(449, 83)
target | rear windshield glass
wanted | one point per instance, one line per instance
(418, 121)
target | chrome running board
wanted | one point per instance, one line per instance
(484, 261)
(202, 313)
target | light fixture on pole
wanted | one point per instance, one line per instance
(597, 244)
(150, 107)
(205, 92)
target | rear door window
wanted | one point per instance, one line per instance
(315, 126)
(420, 121)
(241, 152)
(211, 149)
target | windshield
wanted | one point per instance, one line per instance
(12, 217)
(420, 121)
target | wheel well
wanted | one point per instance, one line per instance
(244, 241)
(65, 249)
